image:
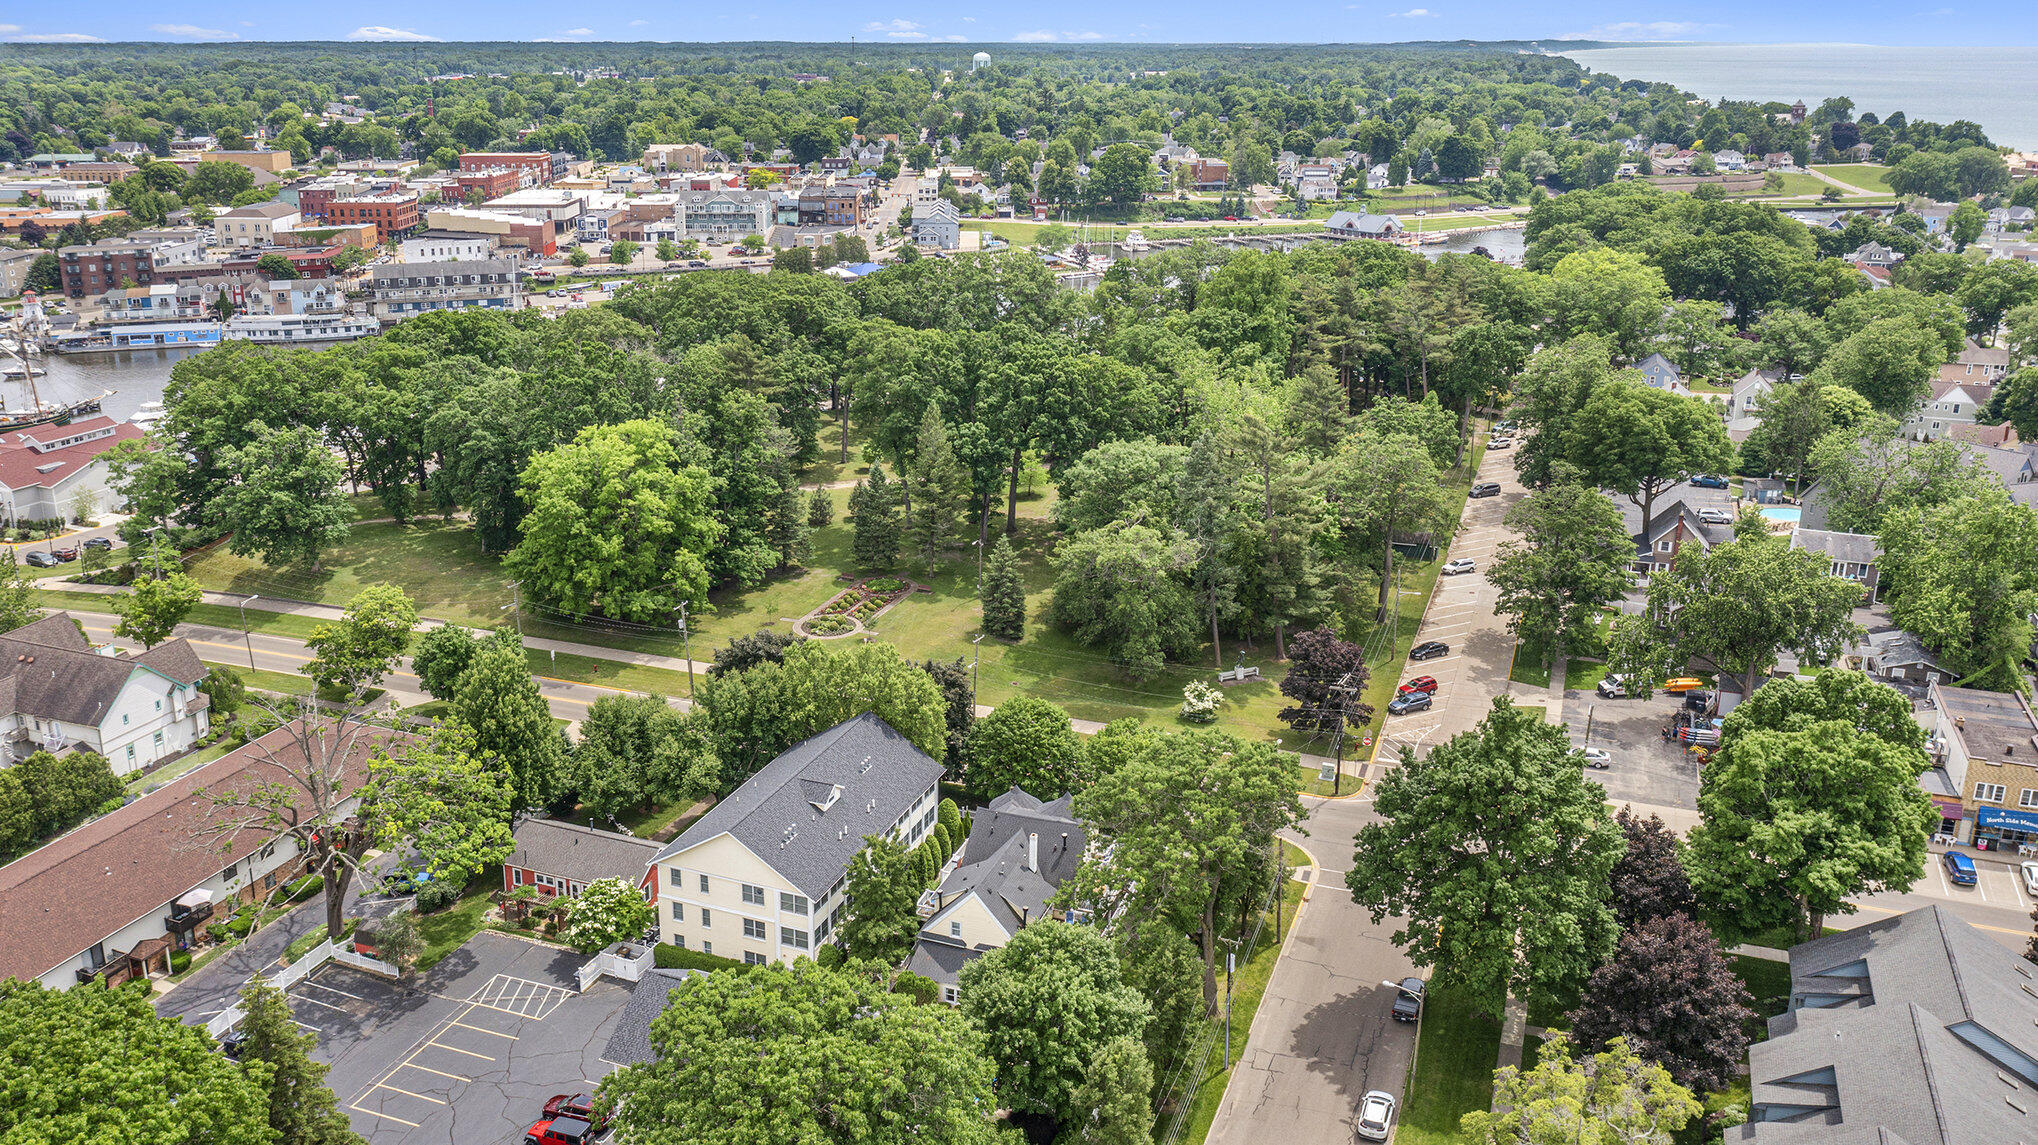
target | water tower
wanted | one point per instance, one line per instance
(979, 60)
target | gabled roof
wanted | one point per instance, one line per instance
(1019, 851)
(1657, 363)
(579, 854)
(630, 1042)
(52, 672)
(881, 775)
(1854, 548)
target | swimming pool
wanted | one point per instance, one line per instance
(1791, 513)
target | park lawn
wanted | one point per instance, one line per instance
(1531, 665)
(1453, 1070)
(618, 674)
(829, 467)
(1799, 183)
(221, 615)
(1308, 783)
(440, 565)
(262, 679)
(1867, 176)
(450, 929)
(1247, 988)
(1583, 675)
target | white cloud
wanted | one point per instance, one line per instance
(891, 27)
(9, 29)
(956, 39)
(969, 19)
(193, 31)
(577, 32)
(1082, 35)
(247, 23)
(378, 32)
(1638, 30)
(639, 23)
(59, 38)
(1041, 37)
(1411, 14)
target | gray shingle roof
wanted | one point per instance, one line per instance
(810, 842)
(52, 673)
(1855, 548)
(630, 1042)
(579, 854)
(995, 869)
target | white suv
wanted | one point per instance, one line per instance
(1376, 1116)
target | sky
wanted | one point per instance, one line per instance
(1049, 21)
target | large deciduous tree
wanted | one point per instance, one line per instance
(154, 608)
(1496, 850)
(1117, 589)
(1648, 880)
(1320, 663)
(1388, 490)
(1670, 992)
(1111, 1106)
(882, 899)
(1963, 577)
(1027, 743)
(1868, 472)
(1574, 557)
(754, 715)
(435, 797)
(512, 725)
(353, 654)
(1890, 361)
(282, 496)
(802, 1053)
(1612, 1098)
(1641, 442)
(639, 751)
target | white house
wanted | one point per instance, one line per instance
(447, 246)
(50, 471)
(58, 693)
(762, 876)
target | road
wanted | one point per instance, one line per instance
(1324, 1033)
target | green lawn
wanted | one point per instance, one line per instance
(1453, 1071)
(449, 929)
(1799, 183)
(1583, 675)
(1246, 990)
(262, 679)
(1531, 665)
(1867, 176)
(440, 565)
(1307, 783)
(608, 673)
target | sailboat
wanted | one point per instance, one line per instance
(14, 414)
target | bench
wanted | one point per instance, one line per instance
(1237, 675)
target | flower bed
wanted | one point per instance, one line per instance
(828, 626)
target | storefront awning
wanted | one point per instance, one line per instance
(2008, 817)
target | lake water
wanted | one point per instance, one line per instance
(1996, 87)
(133, 376)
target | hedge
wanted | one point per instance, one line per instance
(306, 887)
(669, 957)
(180, 961)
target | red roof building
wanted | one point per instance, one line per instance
(47, 470)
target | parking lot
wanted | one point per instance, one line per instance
(468, 1052)
(1646, 767)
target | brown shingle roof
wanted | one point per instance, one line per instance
(58, 900)
(55, 675)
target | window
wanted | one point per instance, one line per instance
(704, 884)
(130, 753)
(707, 918)
(1988, 793)
(679, 940)
(792, 904)
(955, 928)
(753, 896)
(159, 705)
(752, 958)
(674, 874)
(753, 928)
(516, 876)
(951, 995)
(1662, 546)
(2028, 798)
(707, 947)
(234, 868)
(123, 719)
(678, 912)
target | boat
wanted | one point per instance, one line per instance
(37, 410)
(1134, 241)
(139, 336)
(148, 415)
(294, 328)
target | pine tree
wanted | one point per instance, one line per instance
(874, 519)
(1204, 495)
(1318, 411)
(302, 1110)
(786, 525)
(937, 491)
(820, 510)
(1110, 1107)
(1004, 594)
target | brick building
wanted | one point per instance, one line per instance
(95, 268)
(392, 215)
(537, 164)
(311, 262)
(562, 858)
(491, 183)
(831, 206)
(103, 173)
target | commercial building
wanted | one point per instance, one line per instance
(14, 267)
(727, 214)
(831, 206)
(255, 224)
(267, 161)
(562, 858)
(392, 213)
(104, 174)
(937, 226)
(538, 165)
(446, 246)
(762, 876)
(406, 289)
(506, 230)
(488, 184)
(663, 157)
(1986, 745)
(95, 268)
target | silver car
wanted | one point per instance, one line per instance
(1376, 1116)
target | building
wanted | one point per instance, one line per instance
(175, 246)
(254, 225)
(761, 877)
(1984, 742)
(104, 174)
(1352, 224)
(1209, 174)
(1018, 853)
(553, 205)
(1677, 519)
(1662, 374)
(1912, 1030)
(64, 695)
(938, 226)
(1744, 402)
(831, 206)
(392, 213)
(483, 185)
(505, 230)
(163, 302)
(403, 289)
(446, 246)
(689, 157)
(1895, 657)
(630, 1042)
(269, 162)
(14, 268)
(96, 268)
(1953, 403)
(116, 895)
(562, 858)
(728, 213)
(537, 165)
(1853, 555)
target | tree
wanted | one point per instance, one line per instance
(276, 268)
(608, 911)
(439, 798)
(1205, 496)
(820, 510)
(874, 521)
(1612, 1098)
(227, 691)
(1794, 820)
(1004, 603)
(1026, 743)
(622, 251)
(282, 497)
(667, 250)
(577, 257)
(1795, 416)
(957, 682)
(371, 635)
(937, 491)
(747, 652)
(17, 594)
(1111, 1106)
(794, 260)
(1496, 850)
(96, 1059)
(617, 524)
(756, 714)
(399, 942)
(302, 1109)
(500, 703)
(1049, 1001)
(1791, 340)
(1574, 558)
(1965, 225)
(153, 609)
(1640, 441)
(1674, 997)
(215, 181)
(1964, 579)
(1121, 176)
(1388, 488)
(803, 1053)
(1116, 590)
(1318, 663)
(1648, 881)
(884, 893)
(1193, 816)
(441, 658)
(1890, 361)
(637, 751)
(1869, 473)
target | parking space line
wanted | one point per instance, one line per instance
(335, 990)
(480, 1029)
(386, 1117)
(458, 1050)
(499, 1010)
(405, 1092)
(429, 1069)
(316, 1002)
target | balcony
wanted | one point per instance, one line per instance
(188, 919)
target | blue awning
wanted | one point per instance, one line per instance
(2007, 817)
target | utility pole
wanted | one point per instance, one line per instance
(244, 630)
(517, 607)
(976, 657)
(1230, 975)
(1343, 689)
(686, 647)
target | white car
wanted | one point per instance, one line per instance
(1499, 442)
(1715, 516)
(2031, 878)
(1458, 565)
(1376, 1115)
(1598, 758)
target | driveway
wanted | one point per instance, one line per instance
(1647, 770)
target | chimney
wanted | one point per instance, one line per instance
(1064, 842)
(1033, 851)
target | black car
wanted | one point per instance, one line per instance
(1707, 481)
(1429, 650)
(1486, 489)
(1412, 702)
(230, 1043)
(98, 543)
(1408, 1000)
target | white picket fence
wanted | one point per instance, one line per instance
(612, 963)
(296, 972)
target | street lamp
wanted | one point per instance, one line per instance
(245, 639)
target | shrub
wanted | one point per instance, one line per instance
(669, 957)
(923, 990)
(830, 956)
(111, 805)
(884, 584)
(180, 961)
(306, 887)
(436, 895)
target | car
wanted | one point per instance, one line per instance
(579, 1105)
(67, 553)
(2031, 878)
(1429, 650)
(1505, 427)
(1486, 489)
(1499, 443)
(1419, 684)
(1231, 218)
(99, 542)
(1711, 516)
(1613, 687)
(1376, 1116)
(1412, 702)
(1457, 565)
(1598, 758)
(1682, 684)
(39, 559)
(1408, 999)
(230, 1043)
(559, 1131)
(1708, 481)
(1960, 870)
(399, 884)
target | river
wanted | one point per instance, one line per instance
(133, 376)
